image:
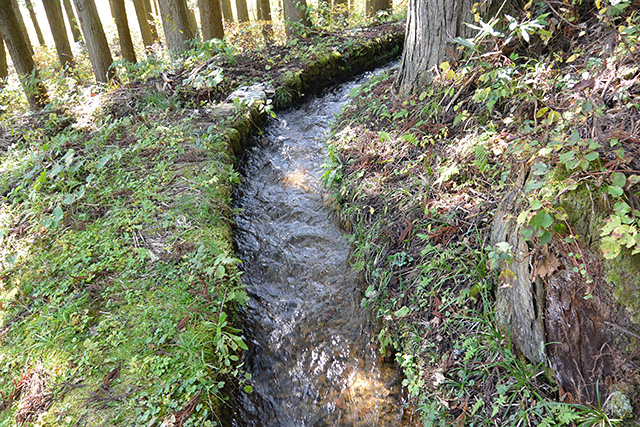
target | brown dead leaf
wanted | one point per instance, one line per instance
(407, 231)
(546, 265)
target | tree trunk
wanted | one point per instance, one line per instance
(94, 37)
(151, 18)
(374, 6)
(264, 15)
(431, 27)
(124, 34)
(23, 28)
(243, 10)
(4, 69)
(53, 9)
(175, 20)
(193, 23)
(227, 10)
(211, 19)
(34, 19)
(73, 22)
(295, 15)
(143, 22)
(21, 53)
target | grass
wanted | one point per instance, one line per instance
(137, 274)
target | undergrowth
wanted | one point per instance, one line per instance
(419, 176)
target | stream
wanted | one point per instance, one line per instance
(313, 352)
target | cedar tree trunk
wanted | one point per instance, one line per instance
(23, 28)
(431, 27)
(53, 9)
(227, 10)
(295, 14)
(374, 6)
(21, 53)
(193, 22)
(96, 41)
(124, 34)
(264, 15)
(243, 10)
(143, 22)
(175, 20)
(4, 69)
(73, 22)
(151, 19)
(34, 19)
(211, 19)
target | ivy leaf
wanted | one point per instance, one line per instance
(618, 179)
(615, 191)
(545, 238)
(536, 205)
(69, 198)
(542, 220)
(591, 156)
(58, 214)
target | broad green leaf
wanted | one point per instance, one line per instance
(618, 179)
(615, 191)
(545, 238)
(591, 156)
(58, 214)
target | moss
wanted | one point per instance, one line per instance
(586, 214)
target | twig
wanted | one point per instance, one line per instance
(462, 89)
(562, 17)
(623, 330)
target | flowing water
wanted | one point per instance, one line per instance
(313, 352)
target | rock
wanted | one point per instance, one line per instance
(249, 94)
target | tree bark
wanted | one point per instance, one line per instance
(295, 15)
(175, 20)
(53, 9)
(34, 19)
(431, 27)
(193, 22)
(99, 54)
(4, 69)
(374, 6)
(21, 53)
(23, 28)
(211, 19)
(143, 22)
(151, 18)
(227, 10)
(264, 15)
(243, 10)
(73, 22)
(124, 34)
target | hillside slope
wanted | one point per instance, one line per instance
(496, 217)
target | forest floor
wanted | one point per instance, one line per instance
(118, 280)
(541, 120)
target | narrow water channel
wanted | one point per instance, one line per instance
(313, 354)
